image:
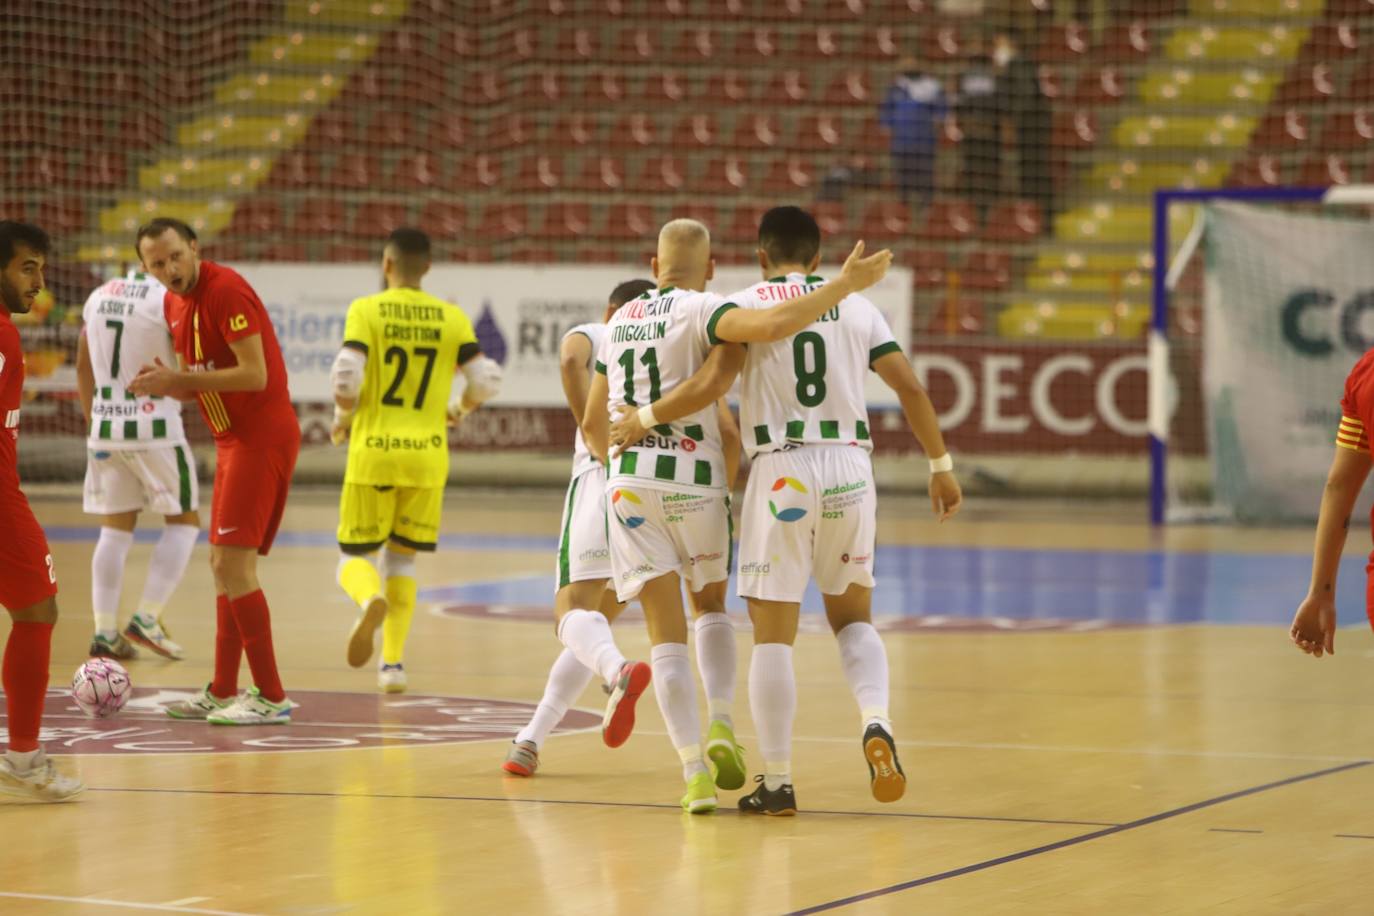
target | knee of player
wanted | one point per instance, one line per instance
(44, 611)
(191, 519)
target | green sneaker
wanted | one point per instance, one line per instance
(701, 795)
(252, 708)
(199, 706)
(725, 755)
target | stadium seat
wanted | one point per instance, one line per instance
(1066, 43)
(726, 87)
(347, 253)
(1125, 43)
(1286, 128)
(986, 270)
(1330, 41)
(294, 169)
(329, 130)
(40, 171)
(744, 225)
(318, 216)
(724, 175)
(502, 222)
(1324, 169)
(959, 315)
(103, 169)
(885, 221)
(255, 218)
(928, 266)
(1075, 129)
(602, 174)
(940, 43)
(758, 132)
(852, 87)
(696, 132)
(573, 130)
(1014, 221)
(564, 220)
(539, 173)
(1307, 84)
(830, 216)
(416, 172)
(787, 87)
(376, 219)
(630, 221)
(1258, 170)
(791, 176)
(482, 171)
(354, 171)
(512, 130)
(664, 88)
(391, 128)
(948, 220)
(699, 46)
(1349, 130)
(1350, 7)
(660, 175)
(634, 131)
(581, 45)
(62, 215)
(821, 133)
(444, 218)
(604, 87)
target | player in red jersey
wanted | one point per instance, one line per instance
(1314, 625)
(28, 583)
(231, 363)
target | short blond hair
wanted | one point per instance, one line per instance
(684, 241)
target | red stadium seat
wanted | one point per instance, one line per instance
(1125, 43)
(1351, 130)
(724, 175)
(630, 221)
(392, 128)
(698, 46)
(1014, 221)
(884, 221)
(1288, 128)
(961, 315)
(791, 176)
(564, 220)
(483, 171)
(708, 214)
(852, 87)
(928, 267)
(1258, 170)
(941, 43)
(830, 216)
(758, 132)
(294, 169)
(539, 173)
(512, 130)
(635, 131)
(726, 87)
(744, 227)
(444, 218)
(573, 130)
(1311, 84)
(948, 220)
(62, 215)
(637, 44)
(696, 132)
(354, 171)
(41, 171)
(416, 172)
(256, 217)
(1064, 43)
(1075, 129)
(1329, 40)
(1326, 169)
(787, 87)
(603, 174)
(578, 45)
(605, 87)
(377, 219)
(1104, 85)
(318, 216)
(661, 175)
(821, 132)
(104, 169)
(502, 221)
(666, 88)
(986, 270)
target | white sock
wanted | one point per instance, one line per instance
(865, 667)
(23, 761)
(716, 662)
(588, 635)
(170, 556)
(677, 700)
(567, 679)
(107, 578)
(773, 700)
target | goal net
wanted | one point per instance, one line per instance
(1272, 304)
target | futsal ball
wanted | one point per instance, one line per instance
(101, 687)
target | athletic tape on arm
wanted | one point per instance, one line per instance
(346, 375)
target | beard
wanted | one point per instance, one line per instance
(14, 302)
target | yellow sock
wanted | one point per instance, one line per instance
(360, 580)
(400, 596)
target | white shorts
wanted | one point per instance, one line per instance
(808, 512)
(161, 479)
(655, 532)
(583, 553)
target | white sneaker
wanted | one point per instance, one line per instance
(253, 709)
(391, 678)
(40, 781)
(364, 629)
(154, 637)
(199, 706)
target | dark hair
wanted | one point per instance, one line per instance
(155, 227)
(409, 242)
(789, 235)
(14, 233)
(630, 289)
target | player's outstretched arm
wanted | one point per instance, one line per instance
(573, 355)
(946, 497)
(1314, 625)
(706, 386)
(85, 375)
(596, 422)
(768, 325)
(346, 379)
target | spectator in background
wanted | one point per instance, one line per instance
(911, 111)
(980, 121)
(1018, 88)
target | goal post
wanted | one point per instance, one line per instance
(1300, 251)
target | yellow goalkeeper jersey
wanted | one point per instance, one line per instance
(413, 342)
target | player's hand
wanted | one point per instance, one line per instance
(157, 380)
(945, 496)
(859, 272)
(338, 433)
(626, 429)
(1314, 626)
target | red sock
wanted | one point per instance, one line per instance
(26, 681)
(255, 623)
(228, 650)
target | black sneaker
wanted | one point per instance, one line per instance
(885, 773)
(778, 802)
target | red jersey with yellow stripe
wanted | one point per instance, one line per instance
(1357, 406)
(220, 310)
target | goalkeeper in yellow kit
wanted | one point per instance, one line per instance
(392, 378)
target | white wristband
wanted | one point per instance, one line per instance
(646, 417)
(941, 464)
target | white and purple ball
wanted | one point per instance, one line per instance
(101, 687)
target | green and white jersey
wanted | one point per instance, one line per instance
(653, 344)
(594, 331)
(126, 329)
(808, 389)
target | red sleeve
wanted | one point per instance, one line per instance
(1352, 433)
(238, 311)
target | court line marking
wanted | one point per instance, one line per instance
(1232, 830)
(586, 802)
(1075, 841)
(1354, 836)
(127, 905)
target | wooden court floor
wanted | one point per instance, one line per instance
(1094, 718)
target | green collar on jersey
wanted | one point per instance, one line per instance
(663, 292)
(812, 278)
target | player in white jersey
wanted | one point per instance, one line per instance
(667, 512)
(584, 570)
(137, 459)
(810, 503)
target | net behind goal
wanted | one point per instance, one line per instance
(1266, 307)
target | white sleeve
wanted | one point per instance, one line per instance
(881, 340)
